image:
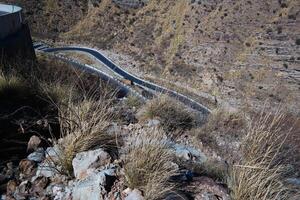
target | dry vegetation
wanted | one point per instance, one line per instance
(225, 126)
(172, 114)
(83, 126)
(266, 162)
(148, 164)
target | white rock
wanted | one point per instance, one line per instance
(153, 123)
(91, 188)
(37, 156)
(53, 153)
(61, 192)
(85, 163)
(135, 195)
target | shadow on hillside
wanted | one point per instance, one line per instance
(23, 113)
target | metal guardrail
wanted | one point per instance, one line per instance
(123, 88)
(143, 83)
(10, 19)
(130, 3)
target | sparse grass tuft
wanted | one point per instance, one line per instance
(173, 115)
(148, 164)
(223, 126)
(133, 101)
(266, 162)
(224, 121)
(83, 127)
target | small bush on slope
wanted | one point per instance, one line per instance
(173, 115)
(148, 164)
(262, 171)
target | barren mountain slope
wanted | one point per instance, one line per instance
(237, 50)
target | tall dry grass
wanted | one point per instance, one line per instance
(148, 164)
(267, 161)
(83, 126)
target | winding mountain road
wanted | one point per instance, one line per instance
(118, 70)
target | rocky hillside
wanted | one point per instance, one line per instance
(241, 51)
(65, 134)
(68, 135)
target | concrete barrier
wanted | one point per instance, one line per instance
(10, 20)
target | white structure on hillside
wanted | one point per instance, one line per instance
(10, 19)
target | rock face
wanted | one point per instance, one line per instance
(86, 162)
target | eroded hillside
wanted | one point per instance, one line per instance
(243, 52)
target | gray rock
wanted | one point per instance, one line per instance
(47, 169)
(135, 195)
(293, 181)
(85, 163)
(37, 156)
(153, 123)
(53, 153)
(93, 187)
(188, 153)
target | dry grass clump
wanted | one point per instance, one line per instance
(134, 101)
(225, 122)
(266, 162)
(11, 83)
(83, 126)
(173, 115)
(217, 170)
(220, 131)
(148, 164)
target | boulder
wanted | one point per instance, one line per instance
(11, 187)
(22, 191)
(34, 143)
(135, 195)
(189, 154)
(92, 187)
(52, 153)
(39, 184)
(47, 169)
(85, 163)
(27, 168)
(37, 155)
